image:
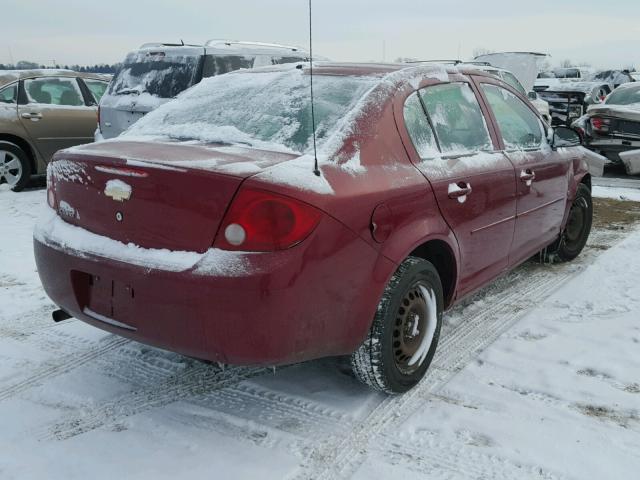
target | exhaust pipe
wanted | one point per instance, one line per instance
(60, 315)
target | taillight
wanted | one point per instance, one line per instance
(261, 221)
(600, 124)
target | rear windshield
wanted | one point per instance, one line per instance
(567, 73)
(155, 73)
(263, 109)
(624, 96)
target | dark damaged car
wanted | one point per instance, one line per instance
(569, 100)
(613, 127)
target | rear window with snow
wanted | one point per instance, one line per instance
(263, 109)
(161, 75)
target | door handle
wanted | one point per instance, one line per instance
(459, 191)
(527, 176)
(32, 115)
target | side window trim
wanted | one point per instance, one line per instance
(22, 93)
(424, 110)
(89, 99)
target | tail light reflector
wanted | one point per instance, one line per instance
(600, 124)
(261, 221)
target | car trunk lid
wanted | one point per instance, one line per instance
(155, 195)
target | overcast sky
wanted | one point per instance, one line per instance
(605, 34)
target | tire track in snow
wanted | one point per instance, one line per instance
(197, 380)
(61, 365)
(438, 460)
(474, 332)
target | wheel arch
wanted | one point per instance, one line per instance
(443, 258)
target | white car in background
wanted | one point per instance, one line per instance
(518, 69)
(158, 72)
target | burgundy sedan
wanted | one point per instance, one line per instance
(204, 229)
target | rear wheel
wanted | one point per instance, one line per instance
(576, 232)
(403, 337)
(15, 168)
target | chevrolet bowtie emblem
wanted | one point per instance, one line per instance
(117, 190)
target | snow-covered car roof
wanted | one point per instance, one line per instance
(9, 76)
(215, 110)
(580, 87)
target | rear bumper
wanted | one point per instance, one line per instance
(611, 147)
(316, 299)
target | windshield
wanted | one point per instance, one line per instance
(624, 96)
(268, 109)
(155, 73)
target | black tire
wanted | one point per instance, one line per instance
(8, 151)
(404, 330)
(576, 232)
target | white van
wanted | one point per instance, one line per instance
(158, 72)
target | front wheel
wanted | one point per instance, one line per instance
(576, 232)
(403, 337)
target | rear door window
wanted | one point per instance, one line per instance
(457, 118)
(96, 87)
(219, 64)
(419, 129)
(53, 91)
(519, 126)
(9, 94)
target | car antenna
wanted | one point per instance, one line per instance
(316, 170)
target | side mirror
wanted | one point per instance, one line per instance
(565, 137)
(532, 95)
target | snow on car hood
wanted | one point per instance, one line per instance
(522, 64)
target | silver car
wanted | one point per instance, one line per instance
(158, 72)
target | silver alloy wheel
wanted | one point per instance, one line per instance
(10, 168)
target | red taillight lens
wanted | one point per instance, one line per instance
(261, 221)
(600, 124)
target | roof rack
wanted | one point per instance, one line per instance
(161, 44)
(236, 43)
(452, 62)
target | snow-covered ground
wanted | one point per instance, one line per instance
(537, 376)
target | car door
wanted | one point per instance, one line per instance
(473, 184)
(54, 113)
(542, 174)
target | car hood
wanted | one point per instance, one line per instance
(523, 65)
